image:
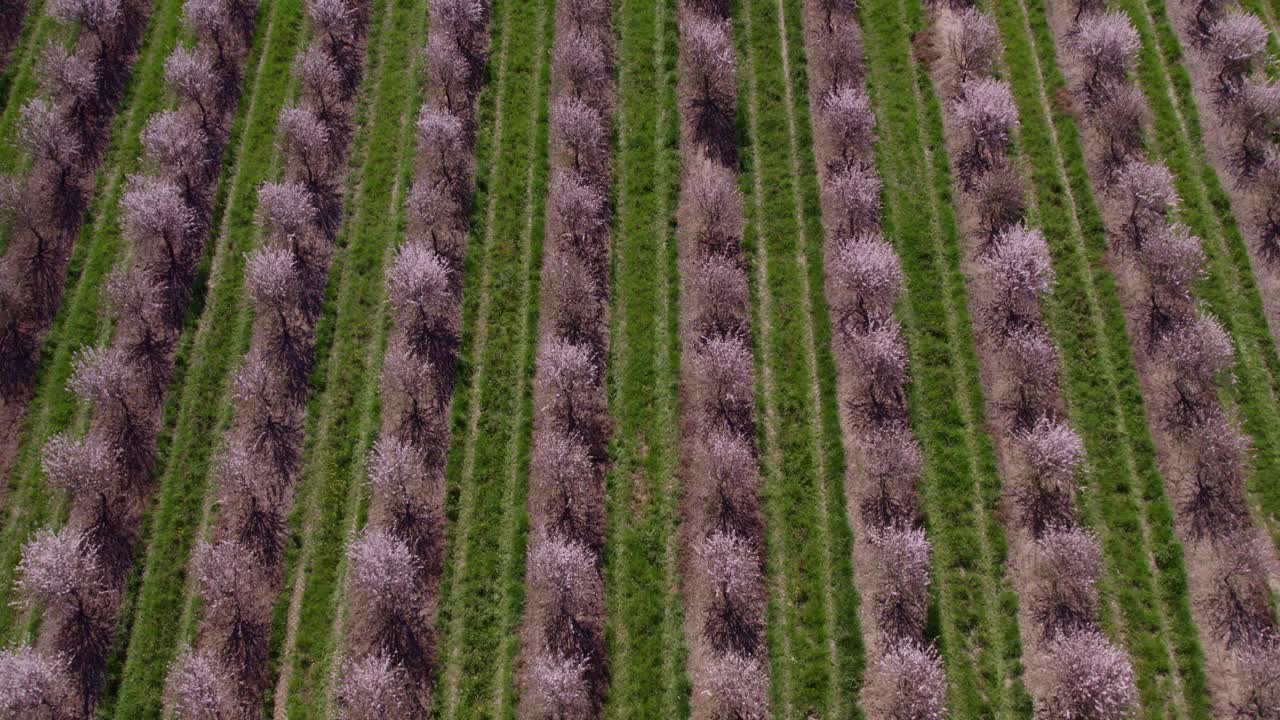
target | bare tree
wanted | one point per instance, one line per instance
(269, 417)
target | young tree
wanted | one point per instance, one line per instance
(372, 688)
(191, 76)
(848, 120)
(237, 611)
(732, 623)
(908, 684)
(892, 464)
(566, 589)
(725, 375)
(737, 687)
(559, 687)
(1148, 190)
(1236, 43)
(563, 472)
(974, 45)
(1046, 498)
(1020, 272)
(854, 193)
(1107, 44)
(865, 281)
(200, 688)
(417, 398)
(439, 215)
(384, 573)
(1065, 569)
(710, 75)
(987, 116)
(1088, 679)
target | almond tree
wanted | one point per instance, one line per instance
(987, 116)
(1108, 46)
(232, 585)
(560, 687)
(708, 54)
(1148, 191)
(191, 76)
(1066, 568)
(1052, 452)
(855, 194)
(908, 684)
(718, 297)
(34, 685)
(1256, 116)
(865, 279)
(902, 595)
(44, 134)
(893, 467)
(372, 688)
(1236, 44)
(847, 118)
(200, 688)
(1088, 679)
(732, 624)
(738, 687)
(974, 46)
(384, 574)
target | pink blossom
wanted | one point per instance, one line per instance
(737, 686)
(200, 687)
(854, 193)
(559, 687)
(384, 569)
(987, 113)
(175, 145)
(974, 45)
(846, 114)
(371, 688)
(272, 279)
(33, 684)
(284, 209)
(89, 466)
(1052, 449)
(59, 569)
(1108, 45)
(1088, 678)
(908, 683)
(865, 276)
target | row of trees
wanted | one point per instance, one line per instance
(864, 282)
(79, 572)
(1235, 44)
(1084, 674)
(63, 130)
(1191, 355)
(723, 521)
(238, 569)
(395, 563)
(567, 672)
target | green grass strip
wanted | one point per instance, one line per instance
(334, 466)
(19, 83)
(19, 53)
(79, 321)
(1100, 387)
(976, 609)
(1230, 291)
(202, 412)
(485, 482)
(644, 612)
(819, 608)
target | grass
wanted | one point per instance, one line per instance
(1230, 290)
(803, 491)
(201, 411)
(644, 612)
(1145, 577)
(482, 589)
(976, 609)
(32, 20)
(79, 321)
(333, 468)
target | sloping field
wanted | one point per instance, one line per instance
(639, 359)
